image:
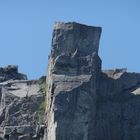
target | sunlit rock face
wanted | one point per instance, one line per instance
(21, 105)
(85, 102)
(73, 77)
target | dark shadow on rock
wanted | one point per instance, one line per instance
(118, 108)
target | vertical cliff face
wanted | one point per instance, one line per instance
(73, 77)
(84, 102)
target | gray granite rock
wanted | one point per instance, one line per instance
(70, 37)
(84, 102)
(73, 76)
(11, 72)
(21, 105)
(20, 101)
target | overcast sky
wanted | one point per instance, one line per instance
(26, 30)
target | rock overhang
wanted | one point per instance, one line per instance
(71, 36)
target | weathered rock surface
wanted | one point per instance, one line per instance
(11, 72)
(84, 102)
(20, 99)
(73, 75)
(21, 106)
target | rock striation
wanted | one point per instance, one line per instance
(84, 101)
(73, 75)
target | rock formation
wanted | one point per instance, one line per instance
(84, 102)
(21, 105)
(11, 72)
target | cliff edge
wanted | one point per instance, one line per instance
(84, 101)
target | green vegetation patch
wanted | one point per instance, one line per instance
(41, 112)
(42, 106)
(43, 85)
